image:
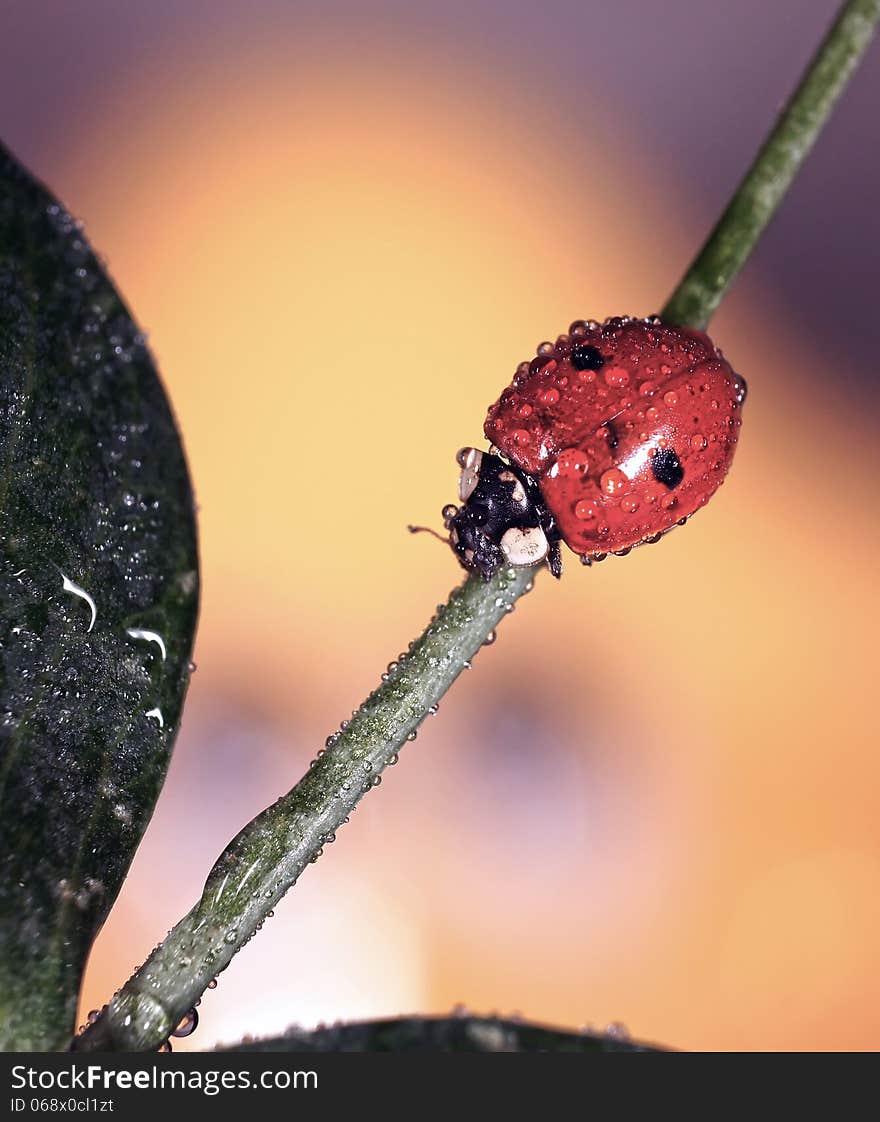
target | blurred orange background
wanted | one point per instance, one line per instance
(655, 800)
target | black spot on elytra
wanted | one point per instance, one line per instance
(666, 468)
(585, 357)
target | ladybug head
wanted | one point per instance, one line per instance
(502, 519)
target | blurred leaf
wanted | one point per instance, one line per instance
(98, 603)
(444, 1034)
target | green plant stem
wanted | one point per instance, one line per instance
(267, 857)
(778, 161)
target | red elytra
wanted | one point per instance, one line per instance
(629, 427)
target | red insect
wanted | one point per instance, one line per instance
(609, 438)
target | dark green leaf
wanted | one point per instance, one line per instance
(98, 602)
(444, 1034)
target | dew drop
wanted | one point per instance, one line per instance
(148, 637)
(188, 1024)
(616, 376)
(613, 481)
(570, 462)
(75, 590)
(586, 509)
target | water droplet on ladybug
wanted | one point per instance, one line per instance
(612, 481)
(586, 509)
(616, 376)
(571, 461)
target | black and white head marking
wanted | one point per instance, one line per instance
(503, 519)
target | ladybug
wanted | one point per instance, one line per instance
(607, 439)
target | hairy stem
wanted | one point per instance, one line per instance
(267, 857)
(778, 161)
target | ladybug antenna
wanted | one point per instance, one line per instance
(428, 530)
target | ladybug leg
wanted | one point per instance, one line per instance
(554, 560)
